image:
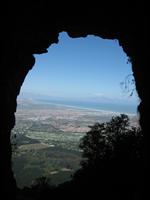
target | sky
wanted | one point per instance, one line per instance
(89, 68)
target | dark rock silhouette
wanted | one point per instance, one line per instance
(30, 28)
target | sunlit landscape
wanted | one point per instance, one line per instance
(56, 109)
(47, 140)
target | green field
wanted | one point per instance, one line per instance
(41, 153)
(46, 141)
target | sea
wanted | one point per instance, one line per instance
(112, 107)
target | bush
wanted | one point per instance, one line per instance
(112, 141)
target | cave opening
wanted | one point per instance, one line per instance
(67, 90)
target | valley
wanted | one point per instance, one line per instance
(46, 137)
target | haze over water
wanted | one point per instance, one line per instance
(82, 72)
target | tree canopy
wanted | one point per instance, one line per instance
(115, 140)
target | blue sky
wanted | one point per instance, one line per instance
(88, 68)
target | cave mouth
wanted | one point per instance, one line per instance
(43, 120)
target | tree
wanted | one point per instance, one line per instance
(112, 160)
(128, 85)
(112, 142)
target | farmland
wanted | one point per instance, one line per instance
(46, 139)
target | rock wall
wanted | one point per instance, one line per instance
(30, 28)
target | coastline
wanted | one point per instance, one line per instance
(88, 106)
(89, 109)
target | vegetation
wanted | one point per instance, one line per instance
(112, 154)
(128, 85)
(111, 167)
(55, 163)
(114, 140)
(112, 160)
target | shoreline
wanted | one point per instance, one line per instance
(90, 109)
(77, 107)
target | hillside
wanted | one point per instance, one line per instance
(47, 139)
